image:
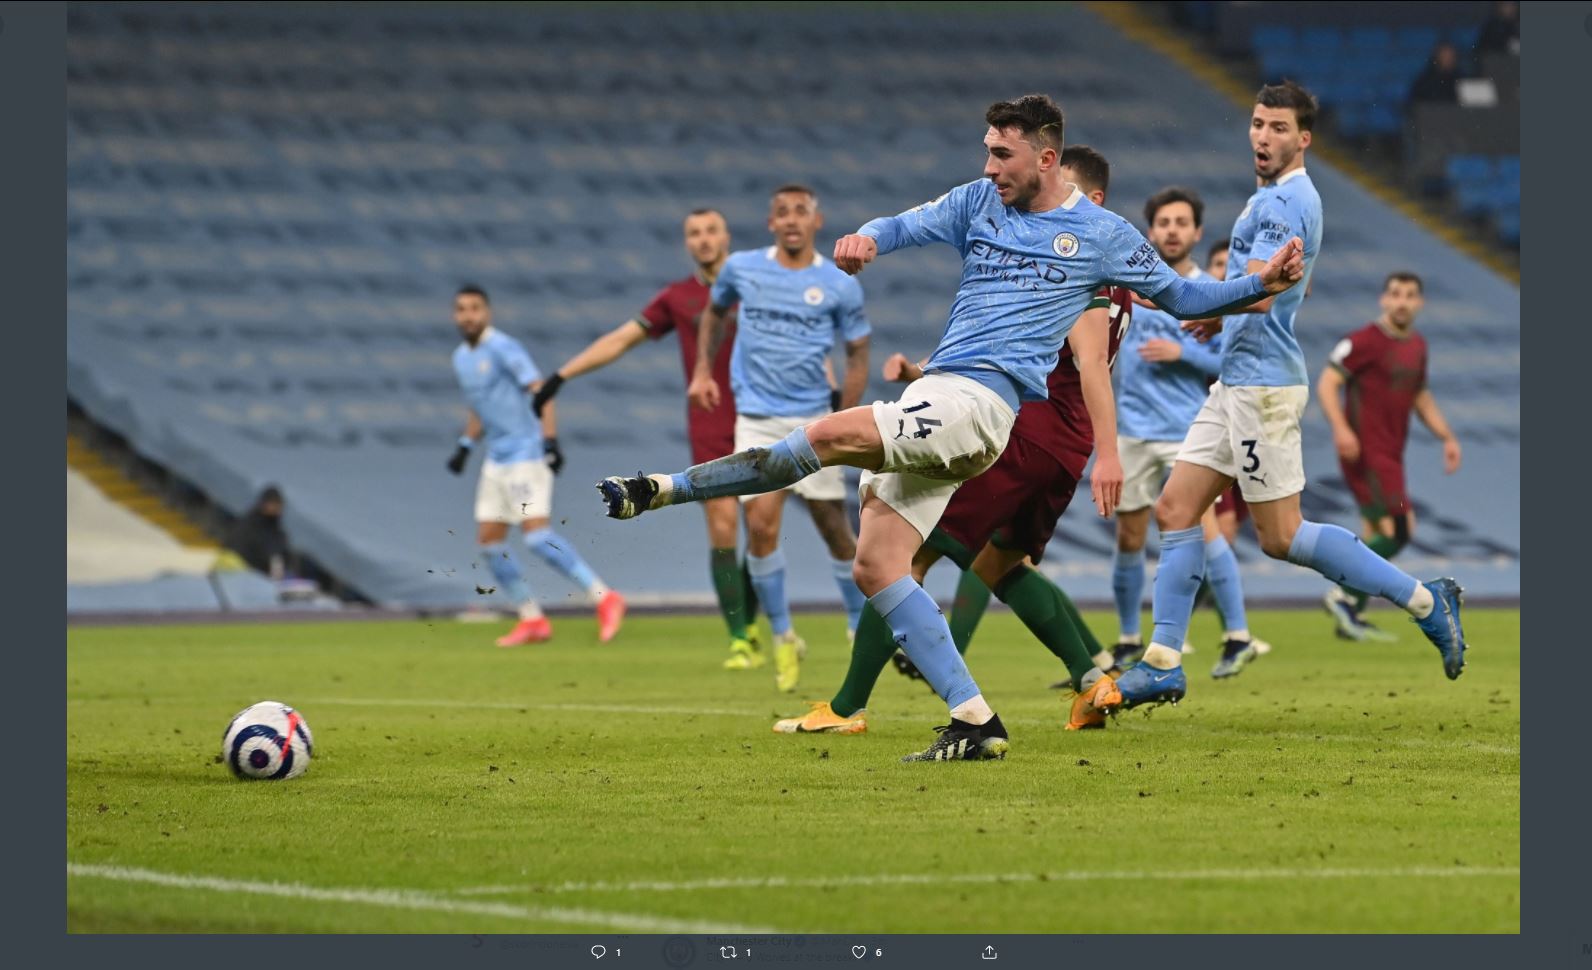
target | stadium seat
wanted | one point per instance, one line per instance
(1371, 40)
(1324, 40)
(1273, 37)
(1508, 220)
(1417, 40)
(1465, 169)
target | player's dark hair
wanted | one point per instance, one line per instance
(1290, 94)
(796, 188)
(1404, 276)
(705, 211)
(471, 289)
(1171, 194)
(1035, 115)
(1089, 165)
(1219, 246)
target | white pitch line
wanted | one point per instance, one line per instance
(913, 879)
(415, 900)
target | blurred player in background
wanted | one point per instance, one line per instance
(522, 455)
(711, 430)
(1376, 377)
(1248, 429)
(792, 304)
(1034, 252)
(1164, 376)
(997, 525)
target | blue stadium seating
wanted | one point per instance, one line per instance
(268, 210)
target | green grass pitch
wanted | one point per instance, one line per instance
(636, 787)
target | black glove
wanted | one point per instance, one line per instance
(545, 393)
(834, 399)
(461, 455)
(553, 454)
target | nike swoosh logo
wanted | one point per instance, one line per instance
(1156, 680)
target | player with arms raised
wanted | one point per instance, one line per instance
(1376, 377)
(1034, 253)
(1248, 428)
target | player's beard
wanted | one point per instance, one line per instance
(1025, 192)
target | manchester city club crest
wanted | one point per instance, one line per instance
(813, 296)
(1065, 245)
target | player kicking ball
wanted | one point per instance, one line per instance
(1248, 428)
(497, 377)
(998, 524)
(1034, 253)
(1375, 378)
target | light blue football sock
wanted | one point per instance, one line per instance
(1221, 569)
(1127, 587)
(750, 472)
(1337, 554)
(768, 579)
(921, 631)
(506, 570)
(849, 592)
(556, 551)
(1177, 582)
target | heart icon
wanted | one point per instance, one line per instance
(859, 951)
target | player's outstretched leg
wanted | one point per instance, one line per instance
(533, 626)
(556, 551)
(1339, 555)
(750, 472)
(1159, 676)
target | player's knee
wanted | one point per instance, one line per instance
(872, 573)
(1172, 512)
(1274, 544)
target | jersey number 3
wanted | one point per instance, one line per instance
(1254, 459)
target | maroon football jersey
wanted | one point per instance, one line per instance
(1060, 424)
(677, 308)
(1385, 373)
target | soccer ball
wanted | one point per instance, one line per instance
(267, 741)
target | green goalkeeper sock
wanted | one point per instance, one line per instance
(729, 585)
(870, 652)
(972, 599)
(1386, 547)
(749, 595)
(1043, 608)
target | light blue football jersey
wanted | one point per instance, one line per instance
(785, 328)
(494, 375)
(1026, 276)
(1260, 349)
(1158, 401)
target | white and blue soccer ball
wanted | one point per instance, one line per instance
(267, 741)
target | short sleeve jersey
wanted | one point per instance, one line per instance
(1384, 372)
(494, 375)
(786, 327)
(1260, 349)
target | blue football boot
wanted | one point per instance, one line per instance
(1442, 627)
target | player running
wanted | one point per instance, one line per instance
(1164, 375)
(676, 309)
(522, 455)
(1034, 253)
(1382, 368)
(998, 524)
(1248, 428)
(792, 304)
